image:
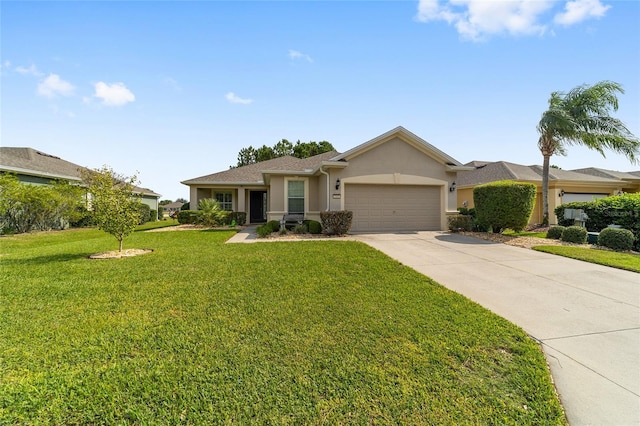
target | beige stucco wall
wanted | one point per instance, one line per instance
(394, 162)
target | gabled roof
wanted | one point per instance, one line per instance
(408, 137)
(31, 162)
(253, 174)
(37, 163)
(503, 170)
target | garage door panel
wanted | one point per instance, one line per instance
(393, 207)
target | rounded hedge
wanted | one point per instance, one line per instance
(574, 234)
(504, 204)
(555, 232)
(616, 239)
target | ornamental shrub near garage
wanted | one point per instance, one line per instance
(336, 222)
(555, 232)
(504, 204)
(460, 222)
(574, 234)
(616, 239)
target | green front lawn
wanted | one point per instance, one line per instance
(628, 261)
(199, 332)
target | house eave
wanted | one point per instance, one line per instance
(37, 173)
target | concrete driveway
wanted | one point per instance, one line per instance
(586, 316)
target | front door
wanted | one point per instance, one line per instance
(257, 206)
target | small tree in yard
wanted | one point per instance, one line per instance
(114, 205)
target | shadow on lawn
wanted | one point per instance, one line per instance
(463, 239)
(43, 260)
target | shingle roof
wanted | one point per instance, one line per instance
(502, 170)
(36, 162)
(32, 162)
(252, 173)
(612, 174)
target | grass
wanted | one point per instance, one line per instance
(199, 332)
(525, 234)
(628, 261)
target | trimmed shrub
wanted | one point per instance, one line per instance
(263, 231)
(145, 213)
(274, 225)
(160, 213)
(616, 239)
(504, 204)
(189, 217)
(623, 210)
(555, 232)
(336, 222)
(460, 222)
(300, 229)
(574, 234)
(239, 217)
(313, 226)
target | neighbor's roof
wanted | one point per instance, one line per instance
(502, 170)
(29, 161)
(612, 174)
(37, 163)
(253, 173)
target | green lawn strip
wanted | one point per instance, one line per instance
(628, 261)
(285, 333)
(525, 234)
(157, 224)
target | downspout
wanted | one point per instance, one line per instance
(328, 188)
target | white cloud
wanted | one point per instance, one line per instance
(115, 94)
(294, 54)
(31, 70)
(479, 19)
(7, 64)
(53, 85)
(234, 99)
(581, 10)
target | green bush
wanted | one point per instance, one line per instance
(555, 232)
(460, 222)
(144, 213)
(274, 225)
(189, 217)
(574, 234)
(239, 217)
(160, 213)
(336, 222)
(211, 214)
(616, 239)
(623, 210)
(300, 229)
(185, 206)
(264, 231)
(313, 226)
(504, 204)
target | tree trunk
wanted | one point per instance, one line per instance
(120, 240)
(545, 189)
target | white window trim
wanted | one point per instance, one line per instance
(306, 192)
(215, 193)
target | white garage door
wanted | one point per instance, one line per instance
(393, 207)
(570, 197)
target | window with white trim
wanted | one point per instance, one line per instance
(225, 200)
(295, 196)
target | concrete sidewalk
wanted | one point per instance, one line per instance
(586, 316)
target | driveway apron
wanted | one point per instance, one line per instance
(586, 316)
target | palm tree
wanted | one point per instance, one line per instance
(582, 117)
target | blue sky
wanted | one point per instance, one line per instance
(173, 90)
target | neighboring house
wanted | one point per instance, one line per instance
(564, 185)
(36, 167)
(171, 208)
(394, 182)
